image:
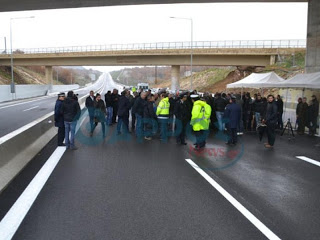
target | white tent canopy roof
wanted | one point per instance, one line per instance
(258, 80)
(310, 80)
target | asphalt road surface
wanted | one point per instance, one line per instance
(15, 115)
(121, 189)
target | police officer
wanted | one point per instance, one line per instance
(58, 119)
(200, 121)
(163, 115)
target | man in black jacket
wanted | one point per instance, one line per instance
(123, 112)
(115, 100)
(149, 117)
(183, 116)
(58, 119)
(109, 108)
(258, 108)
(138, 109)
(219, 106)
(71, 113)
(314, 114)
(270, 119)
(90, 107)
(280, 112)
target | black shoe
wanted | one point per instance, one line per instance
(183, 143)
(61, 145)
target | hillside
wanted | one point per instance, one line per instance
(211, 79)
(36, 75)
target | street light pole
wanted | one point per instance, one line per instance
(13, 88)
(191, 47)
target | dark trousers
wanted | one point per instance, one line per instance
(115, 113)
(232, 135)
(280, 122)
(103, 125)
(123, 122)
(271, 133)
(201, 137)
(163, 125)
(181, 135)
(133, 121)
(61, 135)
(313, 126)
(91, 117)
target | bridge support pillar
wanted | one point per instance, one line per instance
(272, 59)
(313, 37)
(175, 77)
(49, 75)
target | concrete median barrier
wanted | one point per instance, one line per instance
(20, 146)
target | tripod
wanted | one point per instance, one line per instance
(289, 127)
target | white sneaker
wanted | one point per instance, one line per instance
(148, 138)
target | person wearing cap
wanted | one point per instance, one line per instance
(58, 119)
(163, 115)
(232, 114)
(200, 120)
(183, 116)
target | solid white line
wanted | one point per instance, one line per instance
(309, 160)
(255, 221)
(11, 222)
(30, 108)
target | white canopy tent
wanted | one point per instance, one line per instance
(258, 80)
(310, 80)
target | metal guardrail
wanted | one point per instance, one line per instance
(298, 43)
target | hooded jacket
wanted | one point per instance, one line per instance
(201, 113)
(163, 108)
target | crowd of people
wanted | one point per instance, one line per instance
(162, 115)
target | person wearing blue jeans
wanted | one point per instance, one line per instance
(109, 115)
(220, 120)
(71, 113)
(70, 130)
(139, 126)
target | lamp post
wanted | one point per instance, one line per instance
(13, 89)
(191, 55)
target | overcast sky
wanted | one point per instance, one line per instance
(151, 23)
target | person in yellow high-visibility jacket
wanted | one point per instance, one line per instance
(163, 115)
(200, 121)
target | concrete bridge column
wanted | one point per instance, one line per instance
(272, 59)
(175, 77)
(49, 75)
(313, 37)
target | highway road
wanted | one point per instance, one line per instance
(121, 189)
(15, 115)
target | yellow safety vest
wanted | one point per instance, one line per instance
(201, 113)
(163, 108)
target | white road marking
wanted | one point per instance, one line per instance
(309, 160)
(30, 108)
(26, 127)
(20, 103)
(255, 221)
(11, 222)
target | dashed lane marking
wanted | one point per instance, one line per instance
(309, 160)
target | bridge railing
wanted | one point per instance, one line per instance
(298, 43)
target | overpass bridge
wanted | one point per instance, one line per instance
(175, 54)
